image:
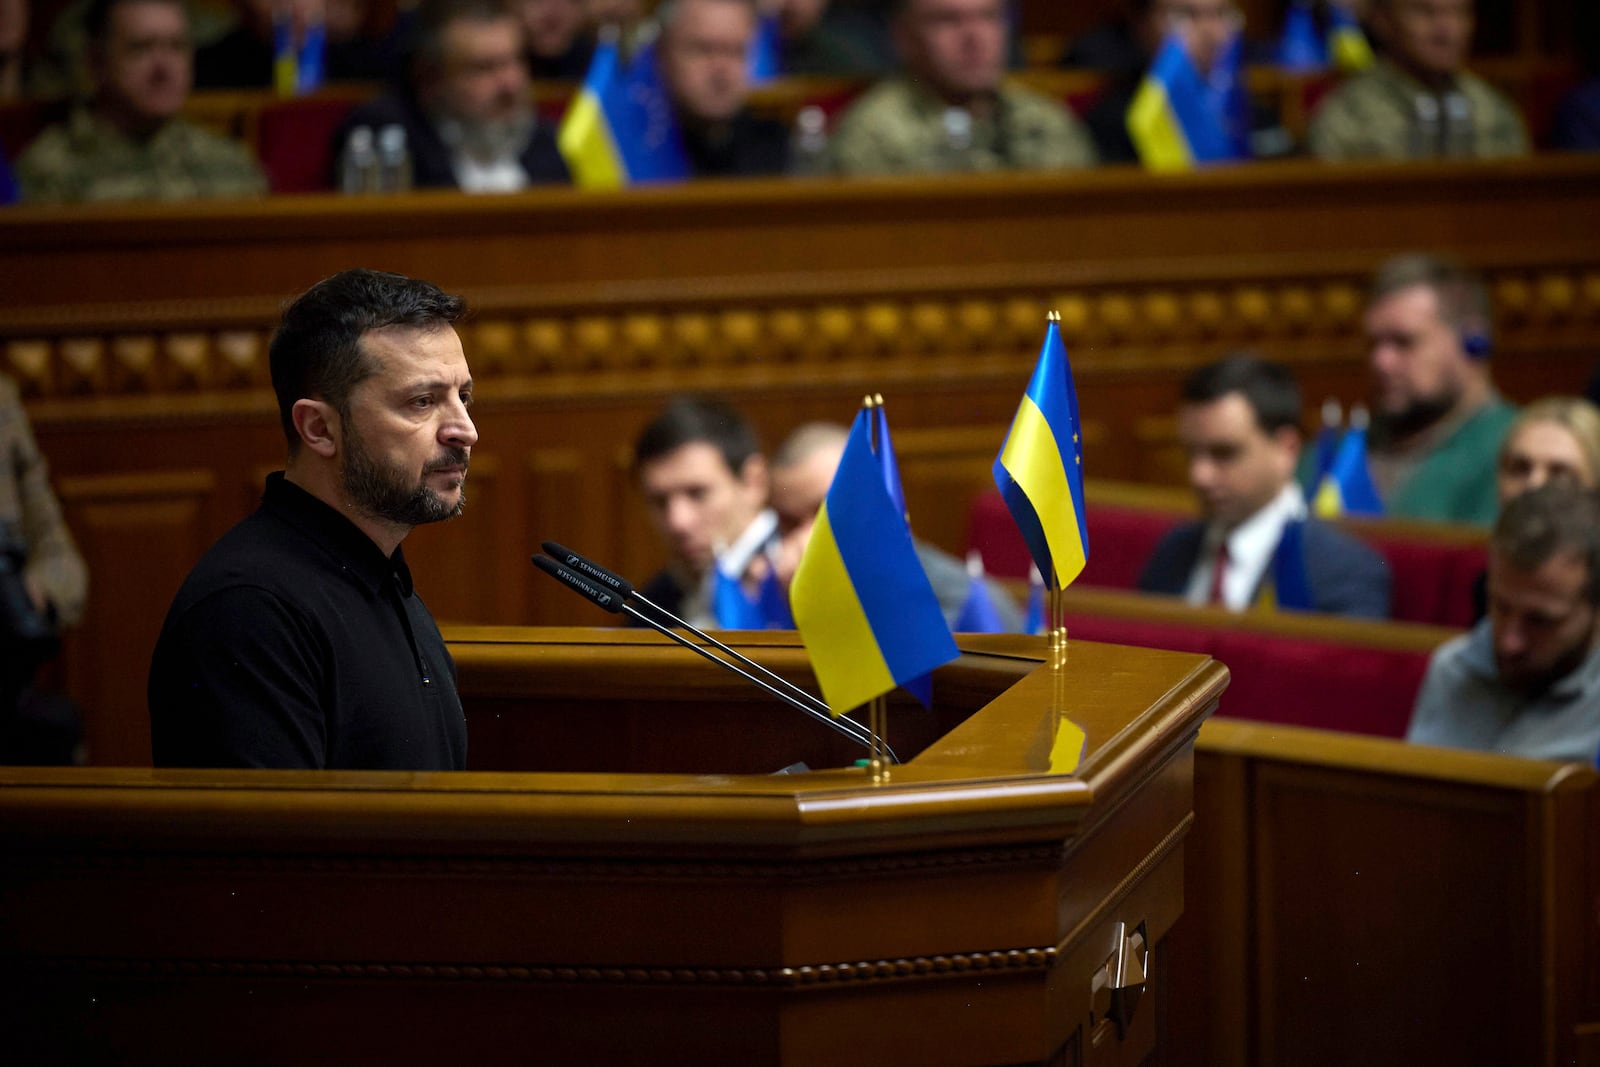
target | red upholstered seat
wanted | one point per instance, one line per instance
(1277, 678)
(294, 140)
(1433, 568)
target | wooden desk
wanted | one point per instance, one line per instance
(649, 893)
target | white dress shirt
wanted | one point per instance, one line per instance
(1251, 545)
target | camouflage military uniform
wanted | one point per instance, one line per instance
(1374, 115)
(898, 127)
(27, 503)
(85, 159)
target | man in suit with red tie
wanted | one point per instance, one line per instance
(1239, 422)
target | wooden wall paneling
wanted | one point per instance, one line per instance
(139, 534)
(1445, 909)
(570, 499)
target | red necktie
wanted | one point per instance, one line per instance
(1219, 571)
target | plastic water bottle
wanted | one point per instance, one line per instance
(808, 147)
(957, 149)
(358, 168)
(394, 160)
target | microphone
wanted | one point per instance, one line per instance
(603, 593)
(625, 589)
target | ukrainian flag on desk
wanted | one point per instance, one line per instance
(862, 604)
(1348, 488)
(1178, 119)
(620, 129)
(1288, 583)
(1040, 468)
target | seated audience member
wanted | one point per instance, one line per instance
(1556, 439)
(298, 640)
(466, 113)
(704, 480)
(1526, 680)
(1418, 101)
(1239, 422)
(950, 108)
(129, 143)
(1123, 50)
(819, 37)
(560, 40)
(355, 47)
(1438, 421)
(36, 552)
(703, 54)
(803, 469)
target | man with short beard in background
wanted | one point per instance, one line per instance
(467, 117)
(298, 641)
(1438, 420)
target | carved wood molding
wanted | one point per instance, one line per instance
(852, 972)
(528, 342)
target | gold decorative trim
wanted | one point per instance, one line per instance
(220, 347)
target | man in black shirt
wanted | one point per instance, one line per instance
(703, 55)
(298, 641)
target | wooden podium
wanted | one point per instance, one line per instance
(623, 879)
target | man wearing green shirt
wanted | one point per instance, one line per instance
(1439, 420)
(129, 143)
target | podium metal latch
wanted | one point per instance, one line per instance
(1118, 985)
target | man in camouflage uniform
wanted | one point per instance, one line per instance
(950, 109)
(1419, 102)
(130, 143)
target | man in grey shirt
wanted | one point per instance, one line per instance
(1526, 680)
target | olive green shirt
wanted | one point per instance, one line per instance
(86, 159)
(899, 127)
(1375, 115)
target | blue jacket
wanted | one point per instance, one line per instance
(1347, 577)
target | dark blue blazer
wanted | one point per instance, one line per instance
(1347, 577)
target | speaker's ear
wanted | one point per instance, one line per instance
(1476, 344)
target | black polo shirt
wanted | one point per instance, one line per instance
(296, 643)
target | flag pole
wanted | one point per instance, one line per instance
(878, 725)
(878, 707)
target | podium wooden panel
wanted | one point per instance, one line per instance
(625, 880)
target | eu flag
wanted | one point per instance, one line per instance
(861, 600)
(766, 50)
(1301, 47)
(620, 129)
(1040, 468)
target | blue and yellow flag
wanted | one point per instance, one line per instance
(1288, 584)
(766, 50)
(297, 65)
(1346, 42)
(861, 601)
(620, 128)
(1301, 46)
(1348, 488)
(1174, 119)
(1040, 468)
